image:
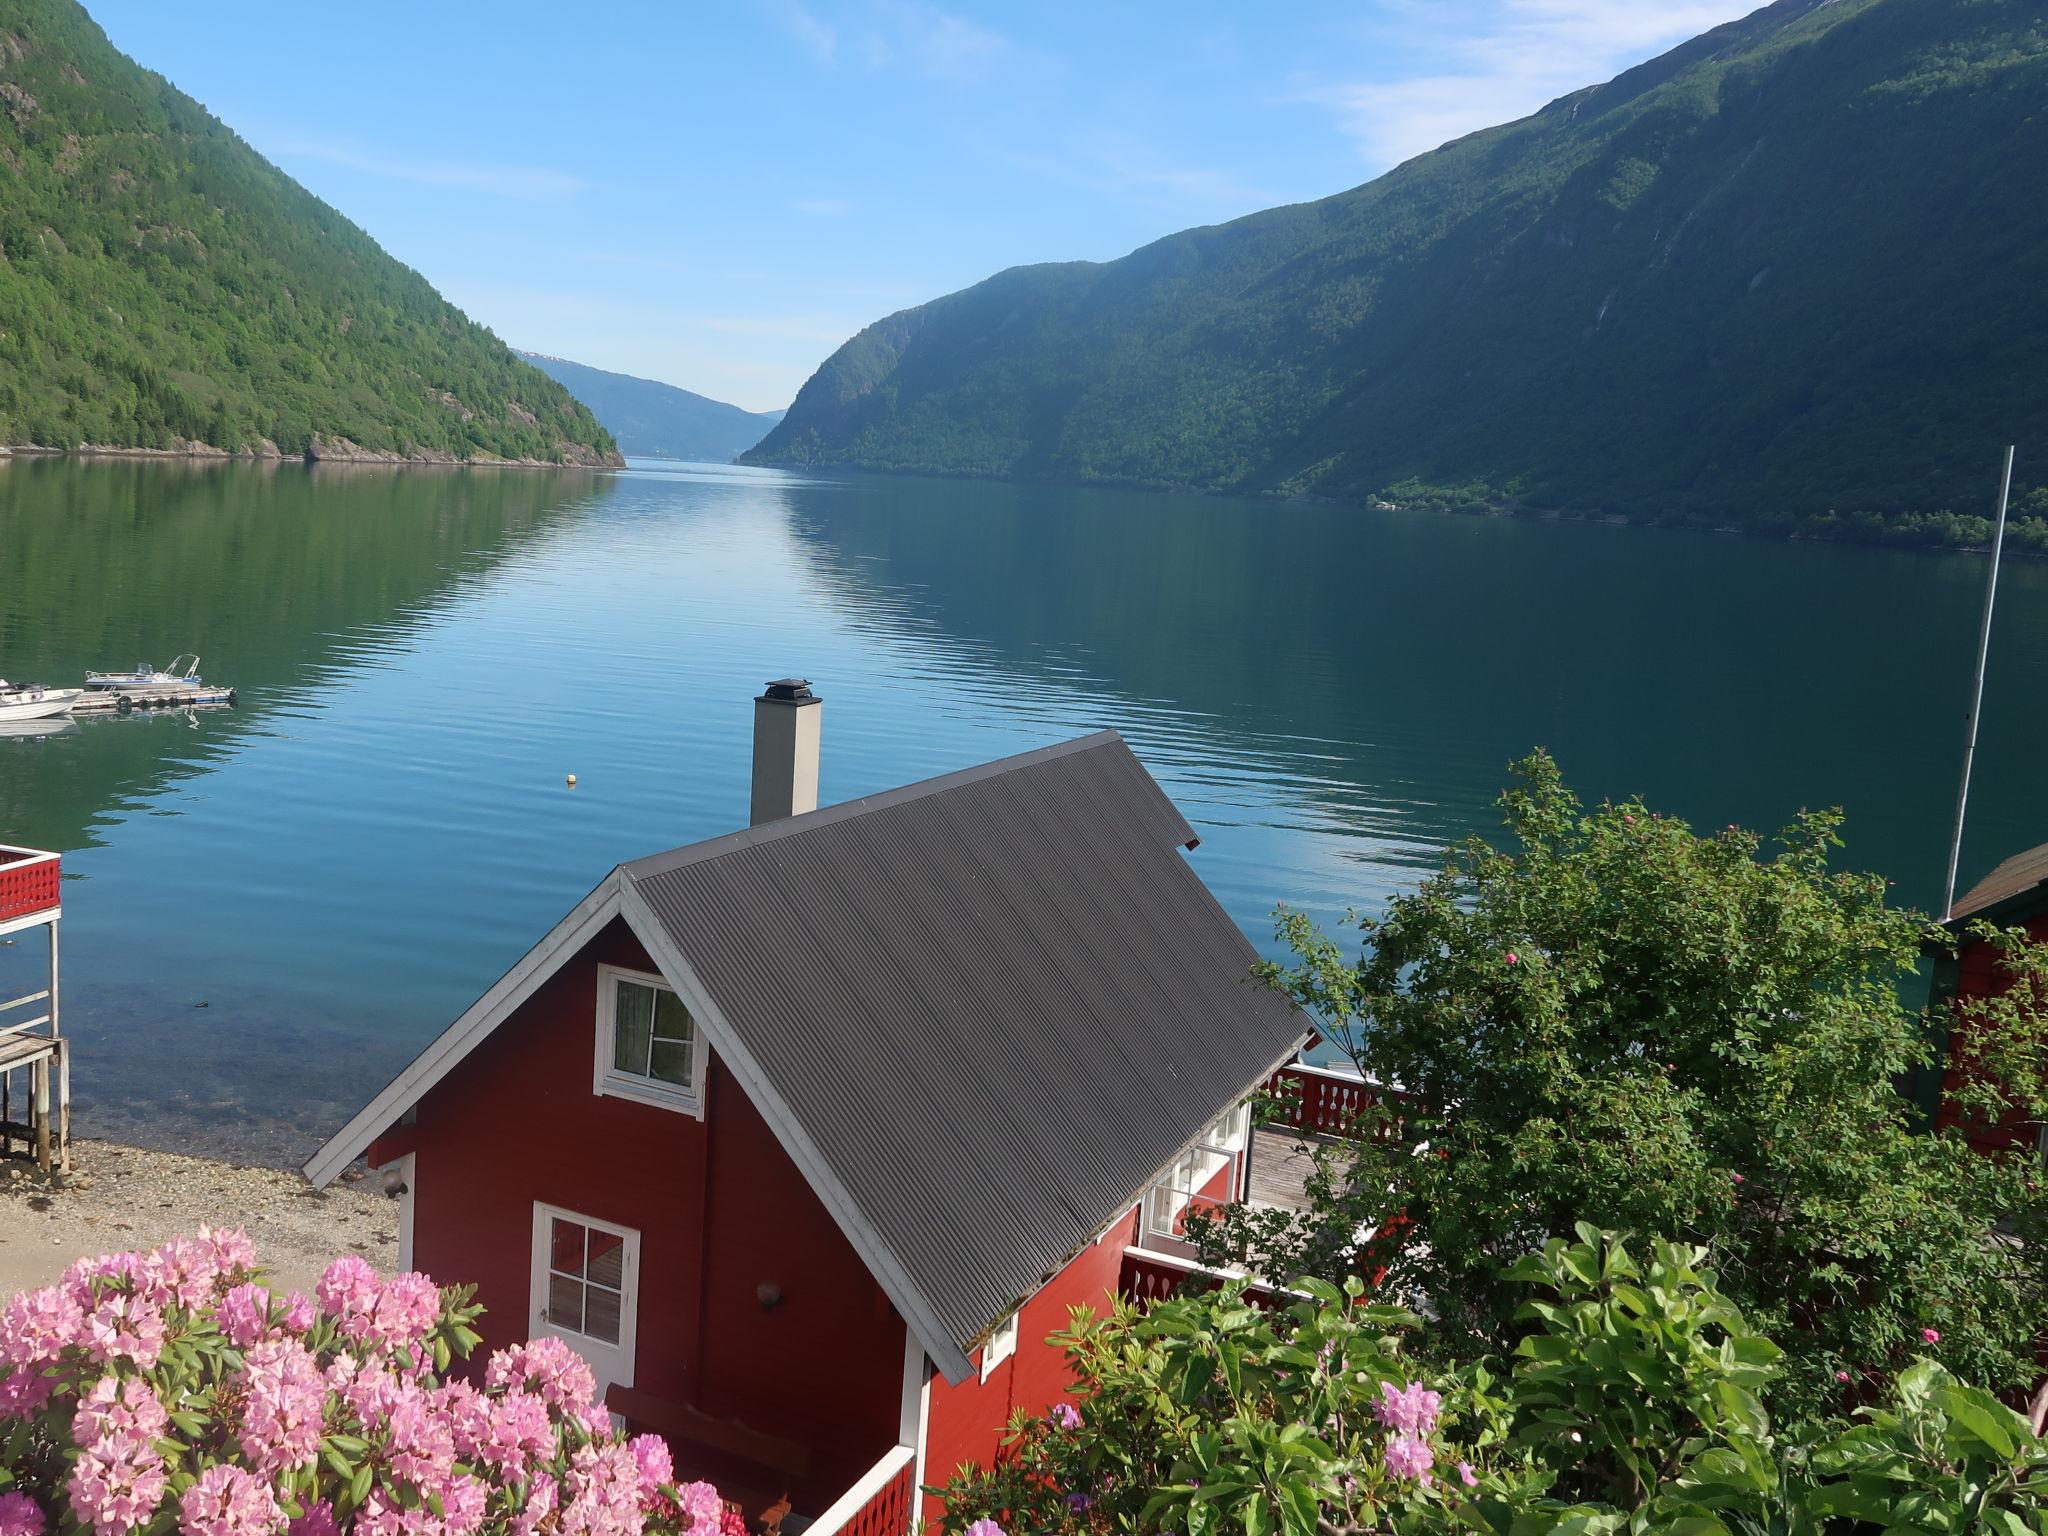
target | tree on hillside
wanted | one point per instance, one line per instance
(1617, 1020)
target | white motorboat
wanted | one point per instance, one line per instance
(146, 676)
(32, 701)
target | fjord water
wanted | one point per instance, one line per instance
(269, 909)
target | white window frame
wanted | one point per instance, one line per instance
(608, 1081)
(1002, 1343)
(620, 1372)
(1230, 1134)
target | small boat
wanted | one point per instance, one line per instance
(32, 701)
(146, 676)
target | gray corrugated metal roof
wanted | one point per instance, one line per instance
(997, 1003)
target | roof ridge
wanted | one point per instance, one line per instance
(845, 810)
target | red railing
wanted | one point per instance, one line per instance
(1323, 1102)
(882, 1503)
(29, 881)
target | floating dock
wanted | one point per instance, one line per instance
(123, 701)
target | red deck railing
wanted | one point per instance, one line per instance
(882, 1503)
(1149, 1277)
(29, 880)
(1324, 1102)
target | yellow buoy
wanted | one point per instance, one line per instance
(572, 781)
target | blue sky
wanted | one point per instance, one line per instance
(717, 193)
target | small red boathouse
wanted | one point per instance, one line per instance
(2014, 895)
(806, 1137)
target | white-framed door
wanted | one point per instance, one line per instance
(586, 1289)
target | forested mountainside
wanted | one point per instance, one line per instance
(161, 284)
(659, 420)
(1791, 275)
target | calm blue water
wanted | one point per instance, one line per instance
(271, 909)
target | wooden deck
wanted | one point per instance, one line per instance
(1280, 1168)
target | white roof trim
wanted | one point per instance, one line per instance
(563, 941)
(883, 1264)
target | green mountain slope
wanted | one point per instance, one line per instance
(161, 283)
(656, 420)
(1798, 264)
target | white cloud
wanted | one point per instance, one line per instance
(911, 36)
(803, 24)
(1492, 61)
(530, 183)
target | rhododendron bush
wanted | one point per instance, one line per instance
(173, 1392)
(1633, 1402)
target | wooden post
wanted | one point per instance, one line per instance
(39, 1077)
(62, 1061)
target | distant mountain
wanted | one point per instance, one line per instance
(164, 286)
(1797, 265)
(659, 420)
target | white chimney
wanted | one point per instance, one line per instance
(786, 720)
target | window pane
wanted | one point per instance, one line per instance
(565, 1304)
(632, 1026)
(601, 1316)
(607, 1260)
(565, 1250)
(671, 1018)
(671, 1063)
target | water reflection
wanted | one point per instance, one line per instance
(272, 908)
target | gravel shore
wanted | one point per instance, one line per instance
(119, 1197)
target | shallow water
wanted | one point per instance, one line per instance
(270, 909)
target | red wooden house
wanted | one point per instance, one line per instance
(808, 1136)
(2014, 895)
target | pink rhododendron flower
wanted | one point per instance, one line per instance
(318, 1520)
(547, 1367)
(298, 1312)
(85, 1280)
(542, 1494)
(1410, 1457)
(1841, 1375)
(24, 1392)
(1412, 1411)
(227, 1501)
(1931, 1335)
(285, 1403)
(651, 1455)
(347, 1286)
(124, 1328)
(36, 1325)
(244, 1315)
(1513, 958)
(703, 1511)
(19, 1515)
(602, 1494)
(1064, 1416)
(1466, 1475)
(181, 1271)
(233, 1253)
(117, 1482)
(986, 1528)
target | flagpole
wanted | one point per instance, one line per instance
(1955, 846)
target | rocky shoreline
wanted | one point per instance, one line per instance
(334, 450)
(119, 1197)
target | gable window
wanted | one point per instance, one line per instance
(648, 1046)
(1002, 1344)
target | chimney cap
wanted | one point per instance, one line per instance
(789, 690)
